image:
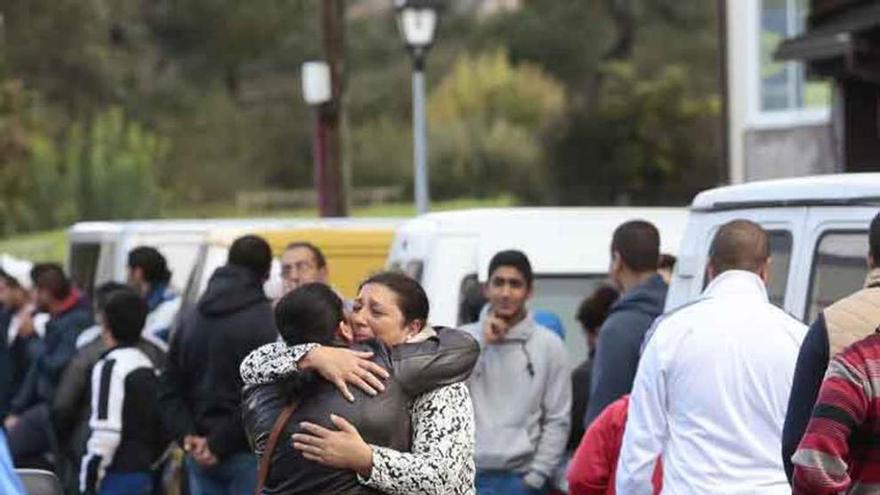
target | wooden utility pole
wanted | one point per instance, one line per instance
(329, 178)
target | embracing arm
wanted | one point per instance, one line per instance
(445, 358)
(442, 458)
(277, 361)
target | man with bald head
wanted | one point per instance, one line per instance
(712, 387)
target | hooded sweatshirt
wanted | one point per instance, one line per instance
(521, 390)
(620, 339)
(200, 388)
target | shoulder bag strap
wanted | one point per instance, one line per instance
(269, 451)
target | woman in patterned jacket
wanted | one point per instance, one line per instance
(394, 309)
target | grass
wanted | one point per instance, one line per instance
(52, 245)
(224, 210)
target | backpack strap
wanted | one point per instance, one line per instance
(269, 451)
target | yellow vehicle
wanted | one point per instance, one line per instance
(354, 248)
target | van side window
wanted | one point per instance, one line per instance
(470, 300)
(780, 256)
(780, 263)
(839, 269)
(84, 264)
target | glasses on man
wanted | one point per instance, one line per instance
(288, 269)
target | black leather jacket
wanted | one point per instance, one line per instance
(383, 420)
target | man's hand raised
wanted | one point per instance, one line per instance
(495, 329)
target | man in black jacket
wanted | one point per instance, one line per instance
(200, 388)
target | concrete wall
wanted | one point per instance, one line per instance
(789, 152)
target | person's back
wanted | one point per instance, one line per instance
(728, 384)
(290, 472)
(840, 449)
(200, 387)
(713, 385)
(635, 251)
(126, 436)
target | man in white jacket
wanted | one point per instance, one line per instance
(712, 387)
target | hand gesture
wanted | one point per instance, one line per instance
(495, 329)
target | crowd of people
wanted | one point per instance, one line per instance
(123, 391)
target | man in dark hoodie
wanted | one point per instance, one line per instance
(635, 253)
(200, 388)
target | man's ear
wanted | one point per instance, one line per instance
(871, 264)
(344, 331)
(766, 271)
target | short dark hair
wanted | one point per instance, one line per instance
(103, 291)
(151, 261)
(667, 261)
(514, 259)
(51, 278)
(38, 269)
(9, 280)
(251, 252)
(320, 260)
(874, 240)
(411, 298)
(594, 309)
(309, 313)
(125, 313)
(739, 245)
(638, 244)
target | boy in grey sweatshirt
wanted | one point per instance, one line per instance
(521, 386)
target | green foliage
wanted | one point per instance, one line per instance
(486, 118)
(113, 165)
(643, 145)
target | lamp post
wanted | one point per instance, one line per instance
(417, 23)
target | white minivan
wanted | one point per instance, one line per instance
(818, 229)
(449, 253)
(98, 251)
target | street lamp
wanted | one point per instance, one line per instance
(417, 22)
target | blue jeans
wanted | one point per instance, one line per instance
(236, 475)
(126, 484)
(504, 483)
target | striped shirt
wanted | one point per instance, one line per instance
(840, 451)
(125, 434)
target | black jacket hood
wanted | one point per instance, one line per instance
(230, 290)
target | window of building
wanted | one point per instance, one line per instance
(783, 85)
(839, 268)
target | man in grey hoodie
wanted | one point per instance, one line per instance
(521, 386)
(635, 253)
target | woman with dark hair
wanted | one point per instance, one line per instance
(438, 454)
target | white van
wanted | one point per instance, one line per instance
(818, 230)
(98, 251)
(449, 253)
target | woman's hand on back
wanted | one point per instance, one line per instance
(344, 366)
(341, 449)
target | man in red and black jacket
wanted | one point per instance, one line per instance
(840, 451)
